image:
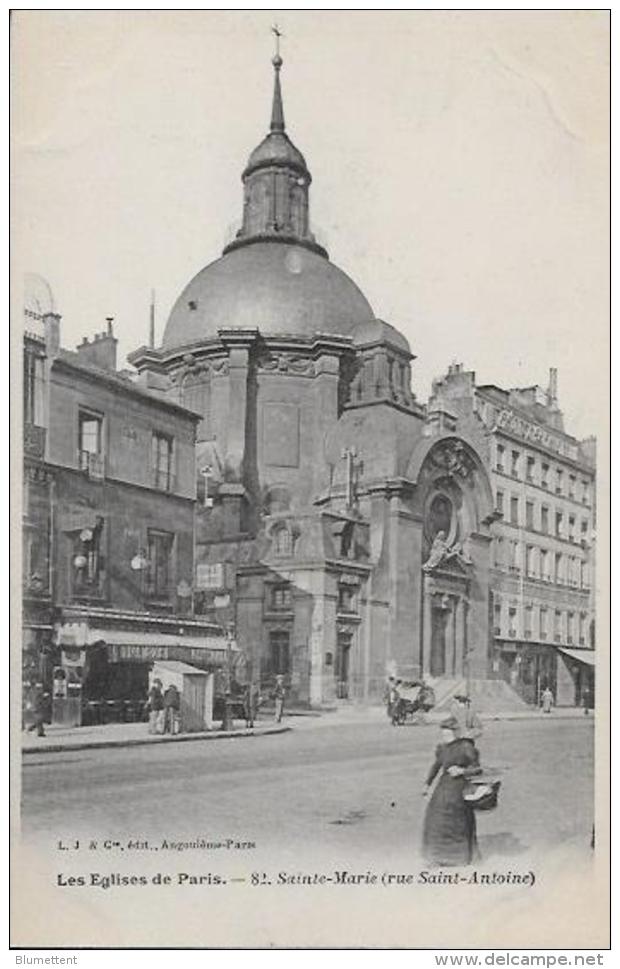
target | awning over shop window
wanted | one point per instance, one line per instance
(126, 645)
(582, 655)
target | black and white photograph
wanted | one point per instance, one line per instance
(310, 462)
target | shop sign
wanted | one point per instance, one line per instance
(210, 575)
(73, 634)
(127, 652)
(509, 421)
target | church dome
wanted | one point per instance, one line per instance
(274, 286)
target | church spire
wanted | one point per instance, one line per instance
(276, 183)
(277, 111)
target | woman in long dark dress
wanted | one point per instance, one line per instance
(450, 823)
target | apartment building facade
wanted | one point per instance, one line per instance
(543, 480)
(108, 523)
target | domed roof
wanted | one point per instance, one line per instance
(276, 149)
(276, 287)
(377, 331)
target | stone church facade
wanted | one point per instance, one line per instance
(344, 526)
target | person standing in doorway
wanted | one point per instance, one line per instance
(156, 708)
(279, 694)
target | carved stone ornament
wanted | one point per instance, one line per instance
(286, 363)
(453, 459)
(196, 369)
(444, 554)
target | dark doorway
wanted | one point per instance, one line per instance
(343, 663)
(439, 620)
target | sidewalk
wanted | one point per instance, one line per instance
(135, 734)
(58, 738)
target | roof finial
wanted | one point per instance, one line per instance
(277, 111)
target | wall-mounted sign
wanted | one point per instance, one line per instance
(536, 434)
(221, 602)
(210, 575)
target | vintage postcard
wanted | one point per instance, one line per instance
(310, 315)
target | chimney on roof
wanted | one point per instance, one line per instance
(101, 351)
(552, 392)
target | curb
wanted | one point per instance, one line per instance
(151, 741)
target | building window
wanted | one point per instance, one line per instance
(583, 617)
(571, 528)
(572, 481)
(512, 621)
(159, 571)
(499, 553)
(559, 524)
(531, 465)
(586, 493)
(544, 519)
(585, 577)
(584, 529)
(90, 442)
(514, 463)
(514, 556)
(161, 461)
(544, 564)
(514, 510)
(529, 514)
(559, 481)
(570, 628)
(559, 568)
(280, 597)
(283, 541)
(346, 598)
(528, 631)
(557, 626)
(279, 651)
(497, 617)
(88, 561)
(530, 553)
(33, 389)
(500, 454)
(499, 502)
(543, 622)
(544, 475)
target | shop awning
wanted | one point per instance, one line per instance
(129, 645)
(582, 655)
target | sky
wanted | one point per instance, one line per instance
(459, 163)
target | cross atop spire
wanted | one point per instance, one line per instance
(277, 33)
(277, 111)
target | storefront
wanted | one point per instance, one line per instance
(104, 667)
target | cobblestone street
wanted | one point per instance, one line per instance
(326, 786)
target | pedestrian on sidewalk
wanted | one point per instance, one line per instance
(546, 700)
(172, 710)
(251, 701)
(469, 724)
(156, 708)
(278, 695)
(39, 711)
